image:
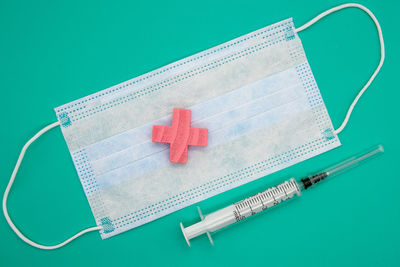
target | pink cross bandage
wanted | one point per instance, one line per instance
(180, 135)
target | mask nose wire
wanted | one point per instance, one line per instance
(8, 188)
(382, 46)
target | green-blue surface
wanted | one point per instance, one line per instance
(52, 53)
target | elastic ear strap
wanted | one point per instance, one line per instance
(378, 27)
(10, 183)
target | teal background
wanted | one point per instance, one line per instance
(54, 52)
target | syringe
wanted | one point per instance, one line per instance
(270, 197)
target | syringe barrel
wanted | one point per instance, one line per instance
(243, 209)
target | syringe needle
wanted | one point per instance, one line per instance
(342, 166)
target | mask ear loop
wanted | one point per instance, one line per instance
(382, 45)
(7, 191)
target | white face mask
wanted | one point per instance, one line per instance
(257, 97)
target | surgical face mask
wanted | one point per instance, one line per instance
(257, 97)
